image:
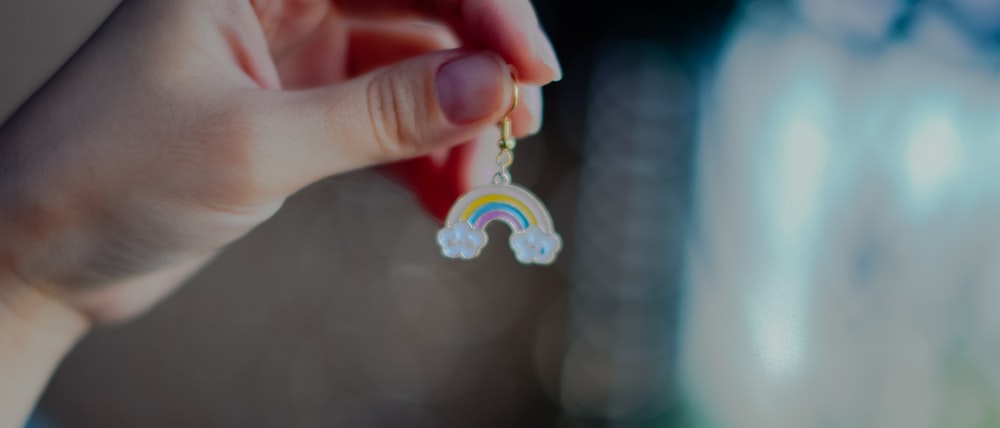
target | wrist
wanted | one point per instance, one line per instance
(36, 331)
(38, 314)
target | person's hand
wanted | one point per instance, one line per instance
(183, 124)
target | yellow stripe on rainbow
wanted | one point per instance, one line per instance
(497, 198)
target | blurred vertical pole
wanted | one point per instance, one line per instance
(631, 221)
(629, 108)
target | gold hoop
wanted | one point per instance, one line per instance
(513, 102)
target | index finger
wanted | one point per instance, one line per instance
(508, 27)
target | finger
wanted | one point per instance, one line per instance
(374, 44)
(405, 110)
(314, 61)
(509, 27)
(377, 44)
(527, 117)
(337, 51)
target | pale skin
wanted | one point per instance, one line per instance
(182, 125)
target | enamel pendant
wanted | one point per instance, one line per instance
(533, 238)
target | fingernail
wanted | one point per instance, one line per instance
(531, 96)
(545, 52)
(467, 87)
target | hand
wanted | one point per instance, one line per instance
(184, 124)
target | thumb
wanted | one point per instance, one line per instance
(402, 111)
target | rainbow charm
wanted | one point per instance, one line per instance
(532, 237)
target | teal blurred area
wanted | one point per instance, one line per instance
(39, 420)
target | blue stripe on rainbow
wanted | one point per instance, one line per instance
(499, 211)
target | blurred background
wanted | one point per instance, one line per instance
(776, 213)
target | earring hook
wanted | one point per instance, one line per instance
(506, 142)
(516, 93)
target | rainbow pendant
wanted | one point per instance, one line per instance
(533, 238)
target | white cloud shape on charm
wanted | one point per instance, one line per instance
(461, 241)
(535, 246)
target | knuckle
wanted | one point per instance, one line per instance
(391, 118)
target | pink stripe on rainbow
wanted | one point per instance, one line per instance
(512, 220)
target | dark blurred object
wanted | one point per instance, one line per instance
(628, 112)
